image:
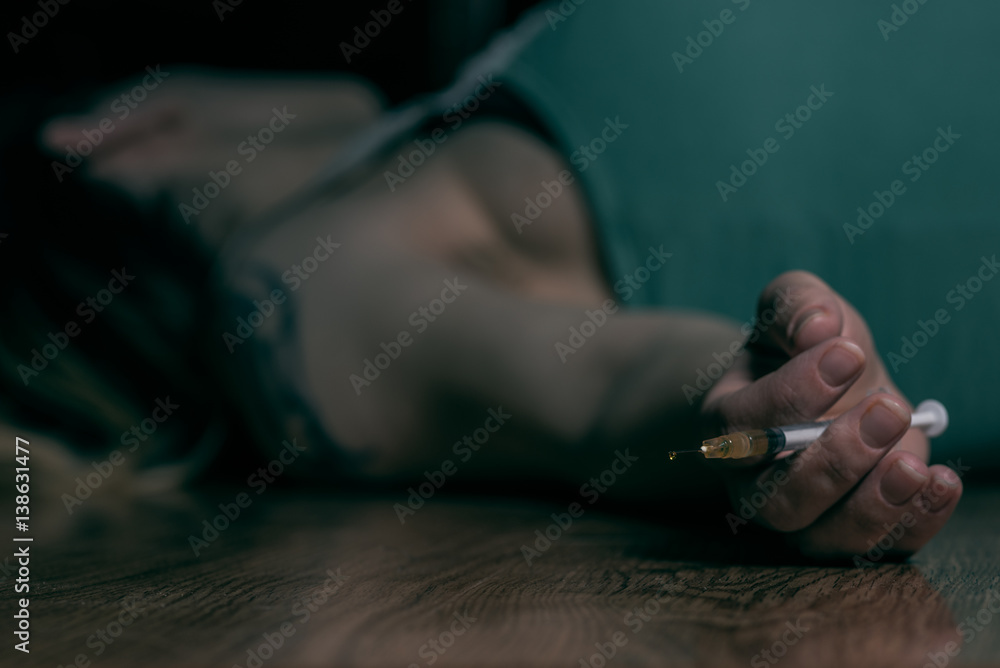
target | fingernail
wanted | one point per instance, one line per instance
(938, 495)
(901, 482)
(948, 479)
(841, 363)
(941, 488)
(883, 422)
(803, 320)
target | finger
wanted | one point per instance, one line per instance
(805, 310)
(801, 390)
(900, 506)
(818, 477)
(113, 133)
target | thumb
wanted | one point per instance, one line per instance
(805, 311)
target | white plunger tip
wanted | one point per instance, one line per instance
(939, 415)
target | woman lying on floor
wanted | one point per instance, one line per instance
(565, 253)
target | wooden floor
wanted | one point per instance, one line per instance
(452, 587)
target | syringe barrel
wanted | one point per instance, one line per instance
(799, 436)
(738, 445)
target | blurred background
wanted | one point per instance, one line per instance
(62, 238)
(89, 44)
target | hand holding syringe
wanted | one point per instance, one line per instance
(930, 416)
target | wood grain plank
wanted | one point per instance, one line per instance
(455, 574)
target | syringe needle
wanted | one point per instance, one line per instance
(673, 453)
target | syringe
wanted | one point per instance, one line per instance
(930, 415)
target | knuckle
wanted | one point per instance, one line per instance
(783, 523)
(799, 276)
(790, 279)
(838, 469)
(868, 526)
(783, 518)
(782, 513)
(794, 282)
(789, 402)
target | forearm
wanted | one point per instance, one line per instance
(622, 389)
(493, 349)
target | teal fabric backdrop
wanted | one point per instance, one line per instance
(820, 108)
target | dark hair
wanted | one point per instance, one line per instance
(89, 372)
